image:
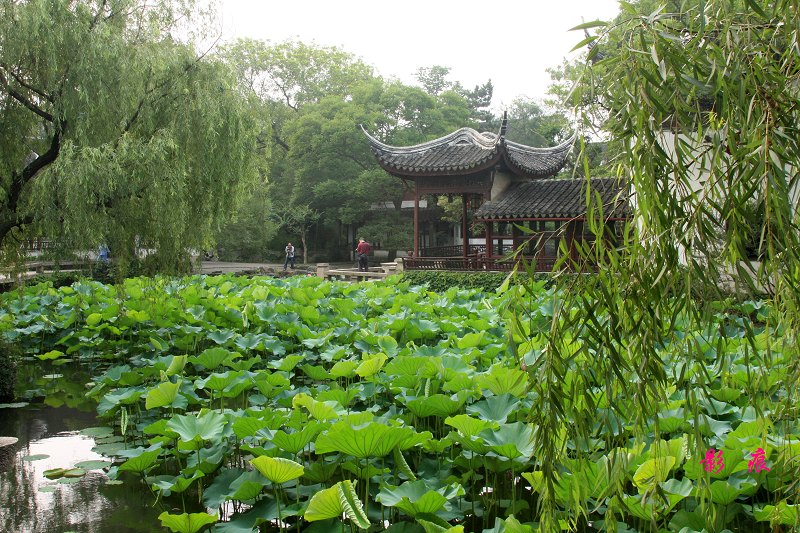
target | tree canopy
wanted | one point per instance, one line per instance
(115, 129)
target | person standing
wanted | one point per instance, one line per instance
(289, 256)
(362, 250)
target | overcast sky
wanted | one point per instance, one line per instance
(511, 42)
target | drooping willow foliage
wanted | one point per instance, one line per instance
(701, 101)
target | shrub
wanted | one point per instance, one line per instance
(438, 281)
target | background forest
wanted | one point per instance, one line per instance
(119, 129)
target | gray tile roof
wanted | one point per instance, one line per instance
(555, 198)
(466, 151)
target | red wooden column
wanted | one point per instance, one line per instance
(489, 251)
(465, 239)
(416, 219)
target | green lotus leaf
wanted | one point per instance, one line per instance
(295, 442)
(344, 369)
(222, 336)
(247, 426)
(434, 524)
(388, 345)
(36, 457)
(316, 372)
(94, 319)
(416, 497)
(503, 380)
(784, 514)
(169, 484)
(52, 354)
(247, 342)
(372, 365)
(335, 501)
(217, 381)
(510, 440)
(494, 408)
(437, 405)
(186, 523)
(652, 472)
(368, 440)
(54, 473)
(323, 505)
(97, 432)
(470, 340)
(197, 429)
(723, 492)
(287, 363)
(277, 469)
(351, 505)
(211, 358)
(247, 486)
(93, 465)
(319, 410)
(177, 364)
(405, 365)
(142, 461)
(416, 328)
(471, 427)
(162, 395)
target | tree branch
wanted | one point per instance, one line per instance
(22, 100)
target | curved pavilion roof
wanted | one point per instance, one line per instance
(465, 151)
(556, 199)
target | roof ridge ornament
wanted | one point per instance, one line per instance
(504, 127)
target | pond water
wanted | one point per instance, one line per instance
(48, 432)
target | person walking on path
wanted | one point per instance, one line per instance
(362, 250)
(289, 256)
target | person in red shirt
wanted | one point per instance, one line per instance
(363, 251)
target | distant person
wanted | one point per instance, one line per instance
(362, 250)
(289, 256)
(102, 253)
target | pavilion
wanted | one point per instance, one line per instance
(511, 189)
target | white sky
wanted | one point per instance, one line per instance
(511, 42)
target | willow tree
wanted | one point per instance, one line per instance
(702, 96)
(115, 129)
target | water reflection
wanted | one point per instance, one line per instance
(29, 502)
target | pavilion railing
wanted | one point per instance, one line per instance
(452, 251)
(474, 263)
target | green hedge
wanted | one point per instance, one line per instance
(438, 281)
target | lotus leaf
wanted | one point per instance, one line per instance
(437, 405)
(784, 514)
(295, 442)
(510, 440)
(344, 369)
(277, 469)
(471, 427)
(186, 523)
(470, 340)
(652, 472)
(368, 440)
(495, 408)
(177, 364)
(211, 358)
(319, 410)
(371, 365)
(52, 354)
(169, 484)
(144, 459)
(504, 380)
(162, 395)
(415, 497)
(198, 429)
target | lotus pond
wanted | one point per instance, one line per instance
(255, 404)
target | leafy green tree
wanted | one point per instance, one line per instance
(704, 101)
(115, 131)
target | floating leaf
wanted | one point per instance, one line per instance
(37, 457)
(93, 465)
